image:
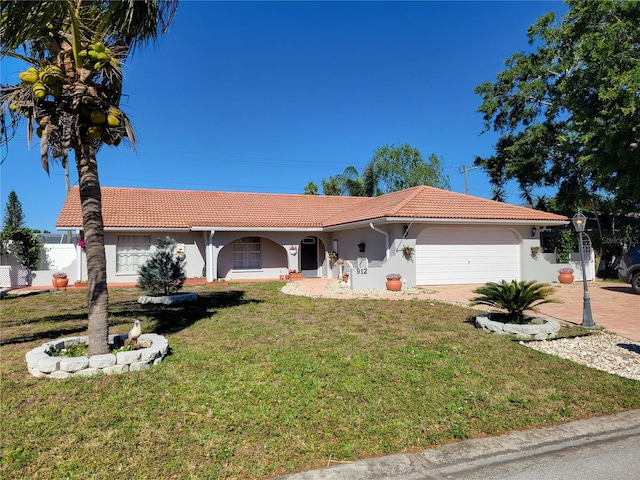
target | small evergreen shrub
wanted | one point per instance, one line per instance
(163, 273)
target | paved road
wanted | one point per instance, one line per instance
(602, 448)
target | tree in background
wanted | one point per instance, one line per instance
(402, 167)
(568, 113)
(331, 186)
(391, 169)
(15, 237)
(163, 273)
(356, 185)
(311, 189)
(13, 217)
(70, 97)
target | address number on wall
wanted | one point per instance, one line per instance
(361, 271)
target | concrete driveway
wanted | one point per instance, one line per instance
(614, 306)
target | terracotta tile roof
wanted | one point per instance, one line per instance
(184, 209)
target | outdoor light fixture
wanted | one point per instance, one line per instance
(293, 249)
(533, 231)
(579, 223)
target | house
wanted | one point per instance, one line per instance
(225, 235)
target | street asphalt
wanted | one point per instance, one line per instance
(600, 448)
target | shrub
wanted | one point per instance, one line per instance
(163, 273)
(514, 297)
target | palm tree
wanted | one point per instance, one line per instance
(70, 96)
(356, 185)
(514, 297)
(498, 193)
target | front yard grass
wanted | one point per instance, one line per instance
(260, 384)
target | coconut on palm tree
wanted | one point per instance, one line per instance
(69, 95)
(514, 298)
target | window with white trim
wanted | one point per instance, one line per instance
(247, 253)
(132, 251)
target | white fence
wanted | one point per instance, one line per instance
(53, 257)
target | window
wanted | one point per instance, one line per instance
(132, 252)
(247, 253)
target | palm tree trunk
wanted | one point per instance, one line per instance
(97, 293)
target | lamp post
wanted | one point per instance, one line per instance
(579, 223)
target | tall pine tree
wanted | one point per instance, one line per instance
(17, 238)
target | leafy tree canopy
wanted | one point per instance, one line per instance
(311, 189)
(391, 169)
(568, 113)
(331, 186)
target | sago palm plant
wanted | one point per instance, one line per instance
(514, 298)
(69, 95)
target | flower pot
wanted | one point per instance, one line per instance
(59, 283)
(345, 278)
(394, 285)
(295, 276)
(565, 277)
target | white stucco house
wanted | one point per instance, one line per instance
(457, 239)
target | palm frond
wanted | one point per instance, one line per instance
(514, 297)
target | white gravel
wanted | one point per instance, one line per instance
(604, 351)
(610, 353)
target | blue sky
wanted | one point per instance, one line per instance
(266, 96)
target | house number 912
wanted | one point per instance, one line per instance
(361, 271)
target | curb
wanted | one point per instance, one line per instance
(467, 459)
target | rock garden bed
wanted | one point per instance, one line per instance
(40, 363)
(536, 329)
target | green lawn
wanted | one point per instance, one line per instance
(260, 384)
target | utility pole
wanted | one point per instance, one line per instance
(465, 170)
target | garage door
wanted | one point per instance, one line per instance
(459, 255)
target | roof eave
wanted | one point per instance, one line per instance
(480, 221)
(465, 221)
(255, 229)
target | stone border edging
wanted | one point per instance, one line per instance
(169, 299)
(538, 331)
(41, 364)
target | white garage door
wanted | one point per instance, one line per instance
(459, 255)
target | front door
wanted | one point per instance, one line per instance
(309, 257)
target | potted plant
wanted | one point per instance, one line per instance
(345, 278)
(361, 247)
(295, 275)
(59, 280)
(407, 250)
(535, 251)
(565, 275)
(394, 282)
(333, 255)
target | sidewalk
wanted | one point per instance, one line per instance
(506, 456)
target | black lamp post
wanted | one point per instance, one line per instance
(579, 223)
